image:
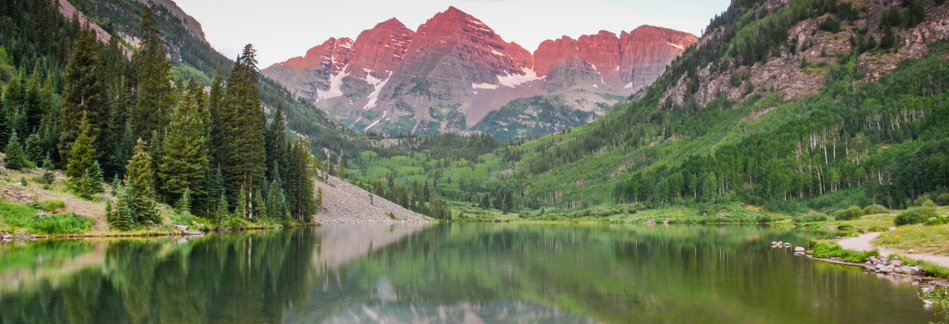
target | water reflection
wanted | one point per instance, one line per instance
(450, 273)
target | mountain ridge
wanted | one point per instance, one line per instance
(449, 73)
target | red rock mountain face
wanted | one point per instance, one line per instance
(454, 70)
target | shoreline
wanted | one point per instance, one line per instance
(174, 232)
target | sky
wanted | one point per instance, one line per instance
(281, 29)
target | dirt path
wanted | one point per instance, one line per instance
(862, 243)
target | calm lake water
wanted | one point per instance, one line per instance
(447, 273)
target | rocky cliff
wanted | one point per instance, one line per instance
(454, 70)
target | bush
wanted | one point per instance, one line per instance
(810, 217)
(51, 206)
(923, 201)
(830, 24)
(851, 213)
(874, 209)
(915, 216)
(824, 250)
(943, 199)
(62, 224)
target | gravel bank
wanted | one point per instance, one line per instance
(346, 203)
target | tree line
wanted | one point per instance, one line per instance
(100, 114)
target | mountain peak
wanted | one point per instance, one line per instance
(393, 22)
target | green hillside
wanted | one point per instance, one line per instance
(853, 139)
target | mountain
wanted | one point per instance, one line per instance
(789, 105)
(453, 71)
(194, 58)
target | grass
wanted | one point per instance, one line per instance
(930, 268)
(828, 250)
(921, 238)
(23, 219)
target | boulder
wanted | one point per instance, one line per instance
(799, 249)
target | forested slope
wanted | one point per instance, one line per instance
(785, 104)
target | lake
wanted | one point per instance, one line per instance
(446, 273)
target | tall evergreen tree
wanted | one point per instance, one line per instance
(217, 128)
(84, 95)
(16, 158)
(140, 179)
(150, 114)
(243, 119)
(184, 161)
(82, 156)
(276, 144)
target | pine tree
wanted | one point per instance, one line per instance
(277, 202)
(84, 95)
(184, 204)
(222, 208)
(90, 185)
(889, 40)
(240, 210)
(34, 148)
(123, 215)
(139, 178)
(217, 129)
(275, 141)
(81, 156)
(243, 120)
(149, 116)
(48, 175)
(16, 158)
(184, 159)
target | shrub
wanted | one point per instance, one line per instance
(51, 206)
(851, 213)
(874, 209)
(915, 216)
(62, 224)
(922, 200)
(943, 199)
(810, 217)
(824, 250)
(830, 24)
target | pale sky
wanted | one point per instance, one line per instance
(281, 29)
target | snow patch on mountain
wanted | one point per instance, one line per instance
(514, 80)
(484, 86)
(377, 88)
(336, 84)
(384, 113)
(680, 47)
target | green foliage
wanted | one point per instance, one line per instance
(139, 182)
(874, 209)
(24, 216)
(242, 122)
(915, 215)
(851, 213)
(84, 97)
(85, 176)
(811, 217)
(51, 206)
(58, 224)
(889, 40)
(943, 199)
(184, 161)
(151, 111)
(824, 250)
(15, 158)
(830, 24)
(545, 115)
(90, 185)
